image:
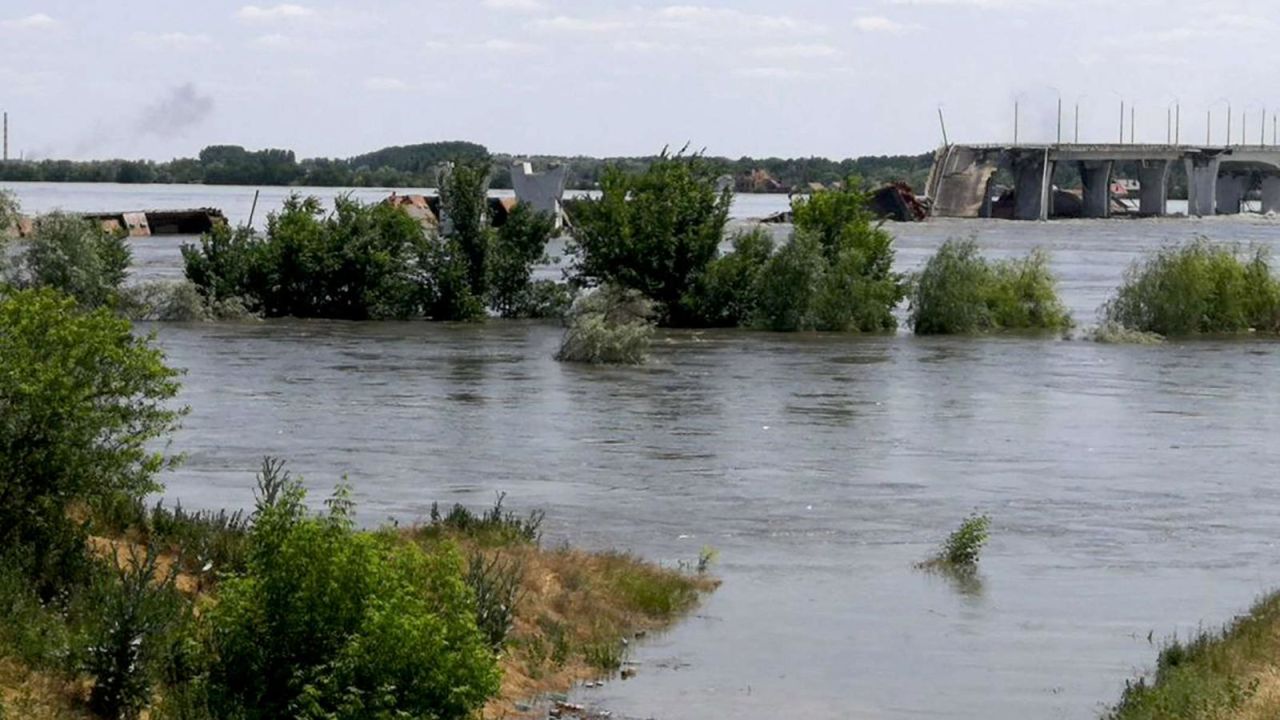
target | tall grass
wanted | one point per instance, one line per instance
(1199, 287)
(1229, 673)
(960, 291)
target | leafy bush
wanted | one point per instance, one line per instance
(10, 213)
(136, 603)
(726, 294)
(518, 245)
(357, 624)
(83, 402)
(963, 547)
(1198, 287)
(654, 231)
(836, 274)
(74, 256)
(359, 262)
(608, 326)
(788, 284)
(959, 291)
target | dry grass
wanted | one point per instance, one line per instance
(40, 696)
(578, 614)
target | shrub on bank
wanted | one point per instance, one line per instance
(960, 291)
(74, 256)
(609, 326)
(654, 232)
(331, 622)
(1199, 287)
(83, 402)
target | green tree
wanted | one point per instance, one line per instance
(358, 262)
(75, 256)
(654, 231)
(519, 244)
(726, 295)
(788, 284)
(464, 202)
(332, 623)
(82, 402)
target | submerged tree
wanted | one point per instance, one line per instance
(654, 232)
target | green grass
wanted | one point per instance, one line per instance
(963, 548)
(1220, 674)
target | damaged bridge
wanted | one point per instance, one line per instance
(1219, 178)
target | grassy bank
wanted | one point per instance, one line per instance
(555, 617)
(1230, 674)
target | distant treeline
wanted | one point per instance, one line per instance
(419, 165)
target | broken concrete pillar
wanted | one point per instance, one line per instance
(541, 191)
(1095, 176)
(1032, 172)
(1231, 190)
(960, 182)
(1153, 181)
(1202, 185)
(1271, 194)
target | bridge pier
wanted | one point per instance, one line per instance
(1153, 178)
(1231, 190)
(1271, 194)
(1202, 185)
(1095, 176)
(1032, 173)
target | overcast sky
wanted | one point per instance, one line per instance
(838, 78)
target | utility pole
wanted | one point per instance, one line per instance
(1015, 123)
(1208, 128)
(6, 137)
(1077, 123)
(1168, 126)
(943, 122)
(1121, 122)
(1228, 124)
(1177, 124)
(1132, 124)
(1059, 121)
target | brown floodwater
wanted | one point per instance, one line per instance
(1131, 488)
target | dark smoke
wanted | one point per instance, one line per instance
(182, 108)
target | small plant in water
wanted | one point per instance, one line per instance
(963, 547)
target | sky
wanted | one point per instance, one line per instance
(836, 78)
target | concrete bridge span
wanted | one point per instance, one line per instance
(1219, 178)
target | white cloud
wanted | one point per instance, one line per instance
(564, 23)
(38, 21)
(172, 40)
(881, 24)
(273, 40)
(799, 52)
(714, 18)
(286, 11)
(766, 73)
(500, 45)
(386, 84)
(515, 5)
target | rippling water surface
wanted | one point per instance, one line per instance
(1132, 488)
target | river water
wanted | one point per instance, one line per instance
(1130, 487)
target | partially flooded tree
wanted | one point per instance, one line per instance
(654, 231)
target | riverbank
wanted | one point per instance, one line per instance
(576, 615)
(1229, 674)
